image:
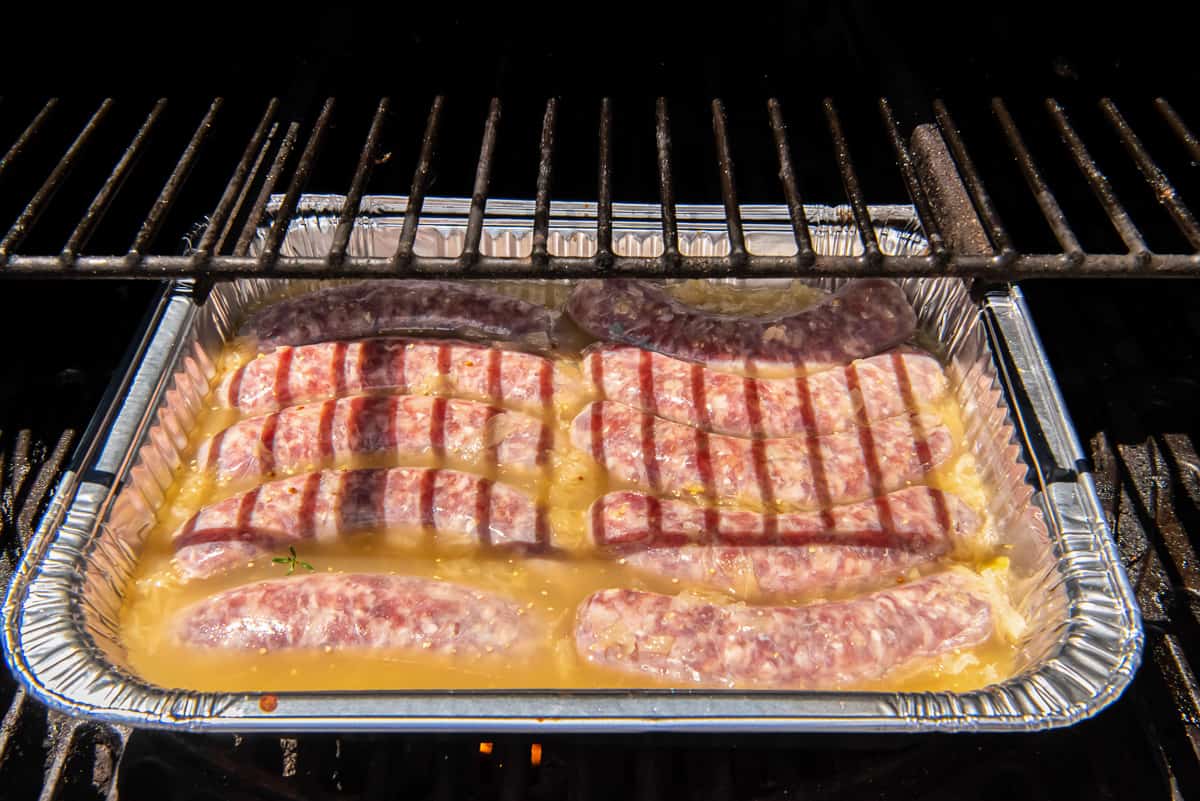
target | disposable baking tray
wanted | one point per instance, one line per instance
(1084, 637)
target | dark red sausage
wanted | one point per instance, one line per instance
(863, 318)
(376, 307)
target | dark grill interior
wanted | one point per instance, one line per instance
(1074, 187)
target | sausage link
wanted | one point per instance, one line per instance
(690, 640)
(377, 307)
(306, 437)
(356, 611)
(861, 319)
(292, 375)
(754, 556)
(454, 508)
(778, 474)
(868, 390)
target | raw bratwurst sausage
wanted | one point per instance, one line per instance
(783, 572)
(376, 307)
(861, 319)
(288, 375)
(833, 400)
(752, 555)
(356, 611)
(302, 437)
(778, 474)
(455, 508)
(686, 639)
(915, 518)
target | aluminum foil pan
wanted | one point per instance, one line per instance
(1084, 640)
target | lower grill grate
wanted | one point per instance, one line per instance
(77, 760)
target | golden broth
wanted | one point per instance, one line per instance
(549, 589)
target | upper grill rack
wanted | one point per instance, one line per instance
(966, 238)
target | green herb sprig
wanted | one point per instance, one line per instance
(292, 561)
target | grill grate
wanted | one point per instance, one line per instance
(282, 152)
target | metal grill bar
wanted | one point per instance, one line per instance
(238, 185)
(1163, 190)
(904, 160)
(43, 482)
(666, 190)
(358, 184)
(416, 195)
(1021, 267)
(483, 177)
(29, 132)
(170, 191)
(20, 229)
(243, 193)
(604, 251)
(116, 178)
(1099, 184)
(1045, 198)
(733, 214)
(1179, 127)
(211, 258)
(264, 193)
(299, 179)
(858, 203)
(541, 214)
(791, 191)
